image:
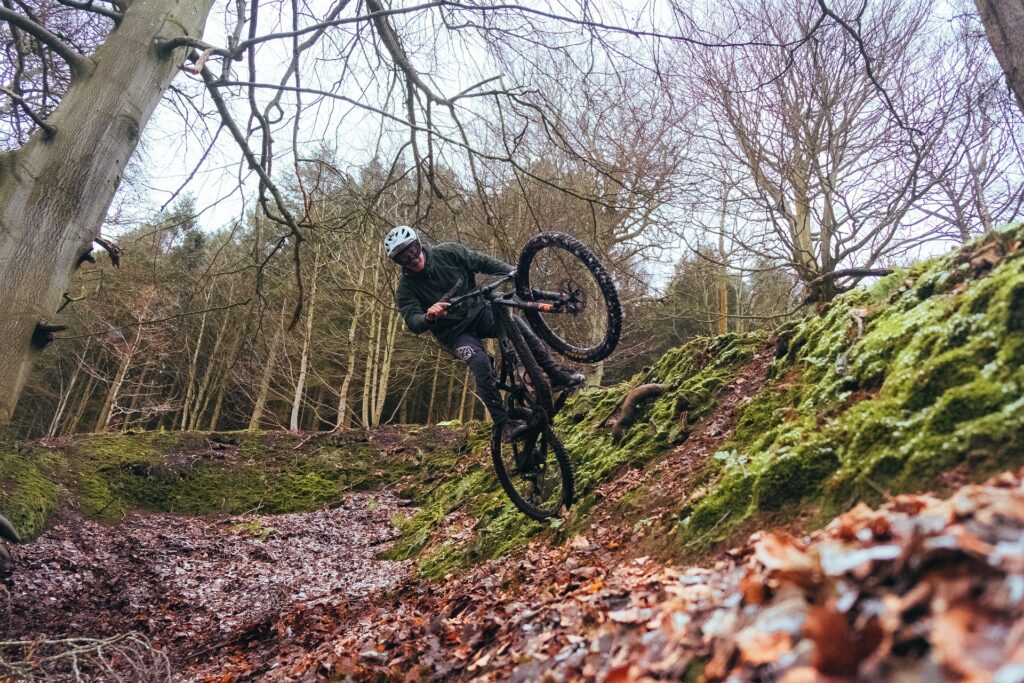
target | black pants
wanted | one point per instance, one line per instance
(469, 349)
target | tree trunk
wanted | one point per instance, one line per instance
(136, 397)
(205, 389)
(54, 193)
(300, 384)
(384, 368)
(1004, 28)
(221, 385)
(66, 396)
(219, 405)
(374, 378)
(344, 418)
(193, 368)
(449, 403)
(71, 426)
(368, 382)
(433, 390)
(723, 273)
(268, 371)
(462, 400)
(103, 421)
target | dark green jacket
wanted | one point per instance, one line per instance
(446, 263)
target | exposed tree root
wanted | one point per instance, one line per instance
(124, 657)
(629, 406)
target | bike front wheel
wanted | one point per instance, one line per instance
(535, 472)
(587, 323)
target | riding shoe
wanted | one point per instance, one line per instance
(566, 378)
(513, 430)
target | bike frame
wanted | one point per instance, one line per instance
(560, 302)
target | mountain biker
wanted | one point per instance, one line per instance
(431, 274)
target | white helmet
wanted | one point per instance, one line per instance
(399, 238)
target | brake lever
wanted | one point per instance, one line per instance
(451, 292)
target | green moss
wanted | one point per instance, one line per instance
(932, 381)
(925, 386)
(968, 402)
(254, 528)
(1015, 309)
(29, 488)
(712, 515)
(793, 477)
(198, 473)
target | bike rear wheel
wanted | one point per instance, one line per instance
(554, 264)
(535, 472)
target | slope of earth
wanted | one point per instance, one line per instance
(915, 383)
(922, 589)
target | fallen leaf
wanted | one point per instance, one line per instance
(838, 649)
(636, 615)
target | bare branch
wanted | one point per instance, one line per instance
(90, 7)
(855, 34)
(77, 61)
(286, 217)
(48, 130)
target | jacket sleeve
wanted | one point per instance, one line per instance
(411, 310)
(481, 263)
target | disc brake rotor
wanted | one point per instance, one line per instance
(575, 296)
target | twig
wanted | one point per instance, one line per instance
(48, 130)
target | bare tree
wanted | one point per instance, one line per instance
(56, 187)
(825, 173)
(982, 188)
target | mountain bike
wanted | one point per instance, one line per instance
(571, 303)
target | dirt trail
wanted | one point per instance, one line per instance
(193, 585)
(921, 590)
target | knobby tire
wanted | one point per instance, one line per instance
(613, 329)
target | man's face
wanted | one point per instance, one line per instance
(412, 257)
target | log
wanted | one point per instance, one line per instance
(629, 406)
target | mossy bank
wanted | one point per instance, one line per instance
(105, 476)
(887, 390)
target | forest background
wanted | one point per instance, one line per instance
(733, 165)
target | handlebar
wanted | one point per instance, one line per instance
(479, 291)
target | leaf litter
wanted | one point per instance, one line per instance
(921, 589)
(193, 585)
